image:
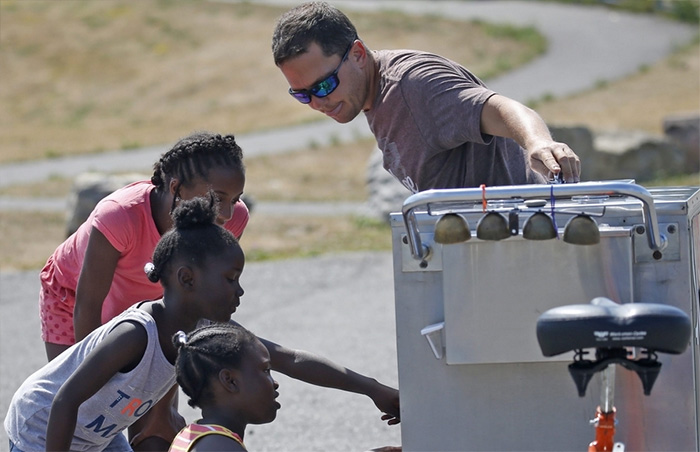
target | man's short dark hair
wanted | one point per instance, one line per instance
(311, 22)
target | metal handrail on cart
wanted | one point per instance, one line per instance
(422, 252)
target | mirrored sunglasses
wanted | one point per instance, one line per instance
(324, 87)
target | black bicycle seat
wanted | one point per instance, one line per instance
(606, 324)
(609, 328)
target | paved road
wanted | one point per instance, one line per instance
(586, 44)
(341, 306)
(254, 144)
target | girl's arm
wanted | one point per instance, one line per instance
(95, 280)
(216, 443)
(319, 371)
(121, 350)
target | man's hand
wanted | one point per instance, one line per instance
(552, 157)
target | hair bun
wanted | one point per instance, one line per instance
(196, 212)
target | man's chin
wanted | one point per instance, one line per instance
(340, 119)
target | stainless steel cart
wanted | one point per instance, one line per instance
(471, 374)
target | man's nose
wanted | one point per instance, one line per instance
(317, 103)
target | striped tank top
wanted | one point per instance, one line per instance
(194, 432)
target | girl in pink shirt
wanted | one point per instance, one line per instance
(98, 272)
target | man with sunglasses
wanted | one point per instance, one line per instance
(438, 125)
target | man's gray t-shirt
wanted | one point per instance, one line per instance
(426, 120)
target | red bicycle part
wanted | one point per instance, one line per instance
(604, 431)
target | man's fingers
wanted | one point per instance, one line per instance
(569, 162)
(555, 159)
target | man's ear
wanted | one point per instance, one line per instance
(229, 380)
(359, 52)
(185, 277)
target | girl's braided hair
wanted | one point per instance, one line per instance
(194, 237)
(206, 351)
(194, 155)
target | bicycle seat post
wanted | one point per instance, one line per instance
(604, 421)
(607, 396)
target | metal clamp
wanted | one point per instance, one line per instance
(421, 251)
(433, 333)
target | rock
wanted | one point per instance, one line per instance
(638, 155)
(684, 131)
(385, 193)
(88, 189)
(625, 154)
(604, 156)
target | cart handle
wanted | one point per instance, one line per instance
(421, 251)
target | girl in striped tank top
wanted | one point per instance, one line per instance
(225, 370)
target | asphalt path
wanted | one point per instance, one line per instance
(586, 44)
(338, 306)
(342, 306)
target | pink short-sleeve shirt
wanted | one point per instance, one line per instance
(124, 218)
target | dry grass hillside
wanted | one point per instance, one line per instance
(639, 102)
(83, 76)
